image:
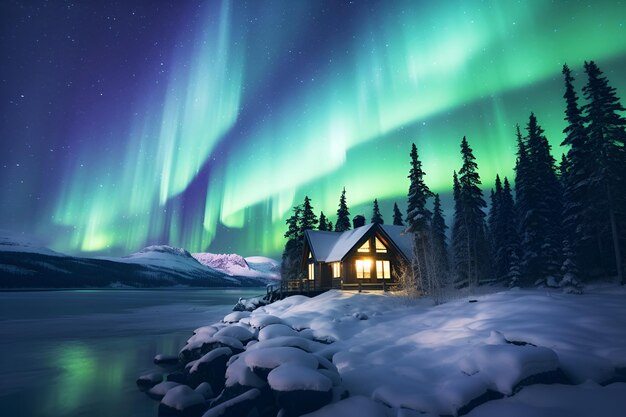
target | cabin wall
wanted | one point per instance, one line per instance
(349, 263)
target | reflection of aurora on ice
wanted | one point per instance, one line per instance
(254, 116)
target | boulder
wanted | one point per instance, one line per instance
(182, 401)
(209, 368)
(158, 391)
(166, 359)
(300, 390)
(243, 405)
(147, 381)
(177, 376)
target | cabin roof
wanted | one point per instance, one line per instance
(333, 246)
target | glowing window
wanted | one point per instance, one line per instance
(363, 268)
(311, 271)
(310, 255)
(336, 270)
(380, 248)
(365, 247)
(383, 269)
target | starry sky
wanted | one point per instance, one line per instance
(200, 124)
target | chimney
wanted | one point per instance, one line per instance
(358, 221)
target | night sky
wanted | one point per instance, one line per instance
(200, 124)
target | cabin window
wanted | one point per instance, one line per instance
(380, 248)
(363, 268)
(336, 270)
(311, 271)
(365, 247)
(383, 269)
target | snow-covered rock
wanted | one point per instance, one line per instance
(182, 401)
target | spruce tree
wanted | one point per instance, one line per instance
(418, 221)
(323, 222)
(308, 219)
(343, 215)
(377, 218)
(472, 217)
(498, 232)
(397, 216)
(330, 226)
(607, 137)
(290, 265)
(540, 208)
(459, 231)
(580, 189)
(510, 241)
(438, 236)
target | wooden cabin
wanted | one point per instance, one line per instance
(367, 257)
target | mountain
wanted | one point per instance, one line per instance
(237, 266)
(25, 265)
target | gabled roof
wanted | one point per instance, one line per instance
(333, 246)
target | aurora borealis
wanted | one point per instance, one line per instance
(200, 124)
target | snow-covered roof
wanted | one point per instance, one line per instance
(402, 240)
(333, 246)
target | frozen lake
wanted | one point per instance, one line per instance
(78, 353)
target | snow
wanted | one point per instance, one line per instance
(238, 332)
(584, 400)
(411, 358)
(276, 330)
(182, 397)
(209, 357)
(222, 408)
(357, 405)
(293, 377)
(235, 316)
(437, 359)
(160, 389)
(236, 265)
(16, 243)
(270, 358)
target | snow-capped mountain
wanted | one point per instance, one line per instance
(237, 266)
(24, 265)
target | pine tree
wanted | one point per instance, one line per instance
(330, 226)
(290, 265)
(323, 222)
(459, 231)
(472, 218)
(580, 191)
(343, 215)
(497, 232)
(438, 236)
(540, 207)
(377, 218)
(607, 137)
(510, 242)
(308, 219)
(397, 216)
(418, 221)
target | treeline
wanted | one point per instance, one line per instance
(561, 225)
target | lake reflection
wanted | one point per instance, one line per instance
(76, 353)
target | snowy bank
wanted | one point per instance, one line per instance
(343, 353)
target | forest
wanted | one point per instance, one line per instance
(556, 224)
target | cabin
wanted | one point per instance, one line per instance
(366, 257)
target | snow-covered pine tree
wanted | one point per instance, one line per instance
(569, 281)
(343, 215)
(418, 220)
(438, 237)
(290, 264)
(308, 219)
(473, 217)
(606, 129)
(397, 216)
(323, 226)
(540, 218)
(377, 218)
